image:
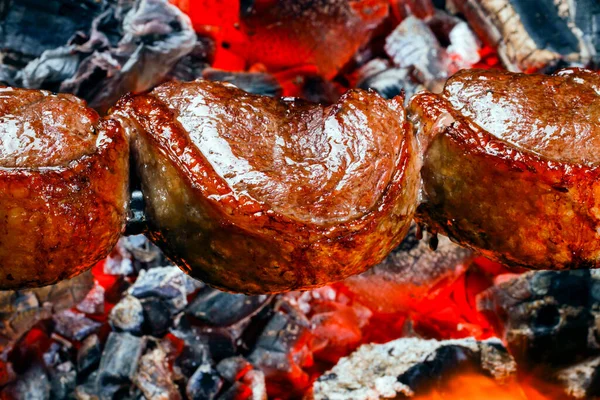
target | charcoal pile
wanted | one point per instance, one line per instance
(98, 50)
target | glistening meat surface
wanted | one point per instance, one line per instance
(256, 195)
(511, 166)
(63, 187)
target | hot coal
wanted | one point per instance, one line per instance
(547, 317)
(167, 283)
(544, 35)
(158, 316)
(93, 303)
(119, 363)
(232, 368)
(154, 377)
(112, 50)
(549, 322)
(21, 310)
(33, 384)
(217, 308)
(127, 315)
(73, 325)
(410, 366)
(252, 82)
(63, 380)
(89, 355)
(205, 383)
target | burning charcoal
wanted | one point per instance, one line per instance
(7, 373)
(222, 342)
(73, 325)
(89, 354)
(545, 316)
(204, 384)
(413, 45)
(52, 356)
(292, 33)
(154, 378)
(127, 315)
(218, 308)
(167, 283)
(194, 355)
(535, 35)
(408, 274)
(410, 366)
(281, 352)
(93, 303)
(24, 27)
(581, 380)
(21, 310)
(386, 80)
(144, 253)
(118, 52)
(157, 316)
(231, 369)
(419, 8)
(33, 384)
(252, 82)
(119, 362)
(256, 381)
(190, 67)
(63, 380)
(89, 389)
(118, 262)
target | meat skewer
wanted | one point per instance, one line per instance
(255, 194)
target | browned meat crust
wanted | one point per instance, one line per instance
(63, 187)
(511, 166)
(257, 195)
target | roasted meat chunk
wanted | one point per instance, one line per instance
(63, 187)
(511, 165)
(254, 194)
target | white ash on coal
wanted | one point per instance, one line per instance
(98, 50)
(410, 366)
(544, 34)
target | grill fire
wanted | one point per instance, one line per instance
(423, 324)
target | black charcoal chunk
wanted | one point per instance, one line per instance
(89, 354)
(204, 384)
(261, 83)
(546, 316)
(387, 80)
(119, 362)
(73, 325)
(218, 308)
(581, 380)
(32, 385)
(190, 67)
(127, 315)
(63, 380)
(157, 316)
(166, 283)
(230, 368)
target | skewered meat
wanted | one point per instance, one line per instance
(63, 187)
(511, 165)
(256, 195)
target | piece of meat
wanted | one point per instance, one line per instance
(254, 194)
(63, 187)
(511, 165)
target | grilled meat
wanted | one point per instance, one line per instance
(63, 187)
(254, 194)
(511, 165)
